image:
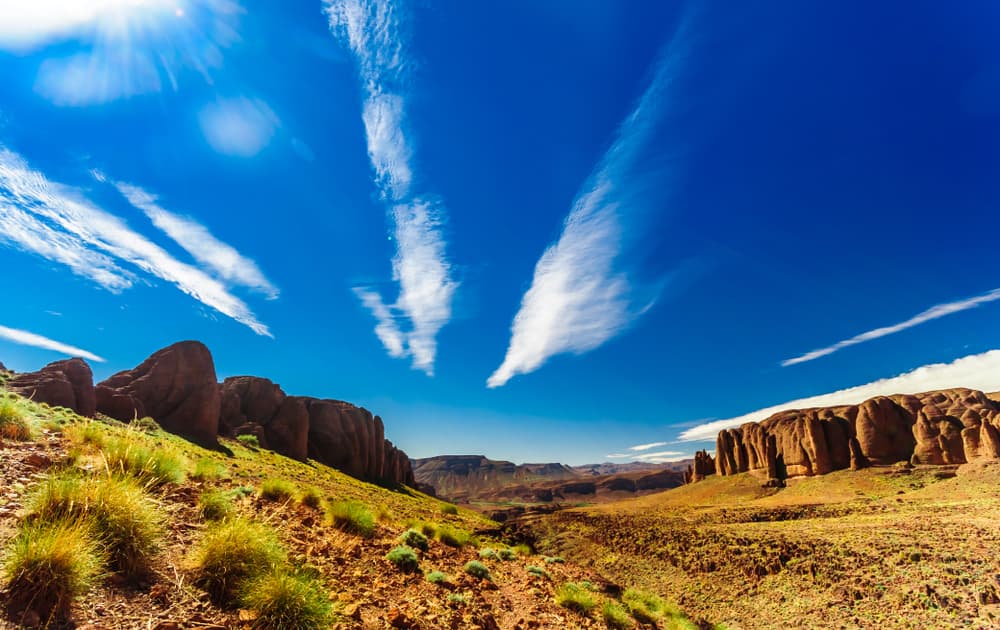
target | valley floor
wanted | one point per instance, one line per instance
(878, 548)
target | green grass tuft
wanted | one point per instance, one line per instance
(276, 490)
(47, 566)
(404, 559)
(646, 607)
(128, 456)
(13, 420)
(126, 522)
(215, 505)
(454, 537)
(249, 440)
(576, 598)
(615, 616)
(539, 571)
(437, 577)
(415, 539)
(506, 554)
(207, 469)
(477, 569)
(553, 560)
(448, 508)
(233, 553)
(487, 553)
(352, 517)
(288, 602)
(311, 497)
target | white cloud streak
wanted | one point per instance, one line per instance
(240, 127)
(935, 312)
(658, 457)
(580, 295)
(25, 338)
(59, 224)
(646, 447)
(977, 371)
(221, 258)
(408, 327)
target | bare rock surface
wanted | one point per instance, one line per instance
(68, 383)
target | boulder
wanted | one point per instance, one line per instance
(68, 383)
(176, 386)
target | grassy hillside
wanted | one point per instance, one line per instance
(877, 548)
(125, 526)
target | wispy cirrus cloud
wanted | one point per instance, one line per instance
(60, 224)
(583, 293)
(222, 259)
(646, 447)
(657, 457)
(976, 371)
(409, 326)
(935, 312)
(26, 338)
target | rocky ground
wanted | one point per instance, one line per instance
(885, 547)
(367, 590)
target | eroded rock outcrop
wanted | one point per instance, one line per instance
(68, 383)
(951, 426)
(702, 466)
(176, 386)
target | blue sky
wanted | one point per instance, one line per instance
(556, 231)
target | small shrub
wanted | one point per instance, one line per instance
(427, 529)
(120, 516)
(404, 558)
(615, 616)
(215, 505)
(554, 560)
(448, 508)
(646, 607)
(487, 554)
(477, 569)
(276, 490)
(352, 517)
(454, 537)
(437, 577)
(233, 553)
(128, 457)
(145, 424)
(207, 469)
(48, 566)
(248, 440)
(13, 423)
(576, 598)
(539, 571)
(506, 554)
(311, 497)
(457, 598)
(288, 602)
(415, 539)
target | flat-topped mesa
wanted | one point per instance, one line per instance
(951, 426)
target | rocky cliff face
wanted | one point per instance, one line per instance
(68, 383)
(178, 388)
(951, 426)
(702, 466)
(463, 477)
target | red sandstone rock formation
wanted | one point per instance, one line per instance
(702, 466)
(68, 383)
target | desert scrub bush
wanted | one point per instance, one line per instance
(47, 566)
(615, 616)
(248, 440)
(352, 517)
(576, 598)
(539, 571)
(276, 490)
(477, 569)
(127, 456)
(437, 577)
(648, 608)
(448, 508)
(288, 602)
(119, 514)
(415, 539)
(231, 554)
(403, 558)
(454, 537)
(207, 469)
(13, 420)
(215, 505)
(311, 497)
